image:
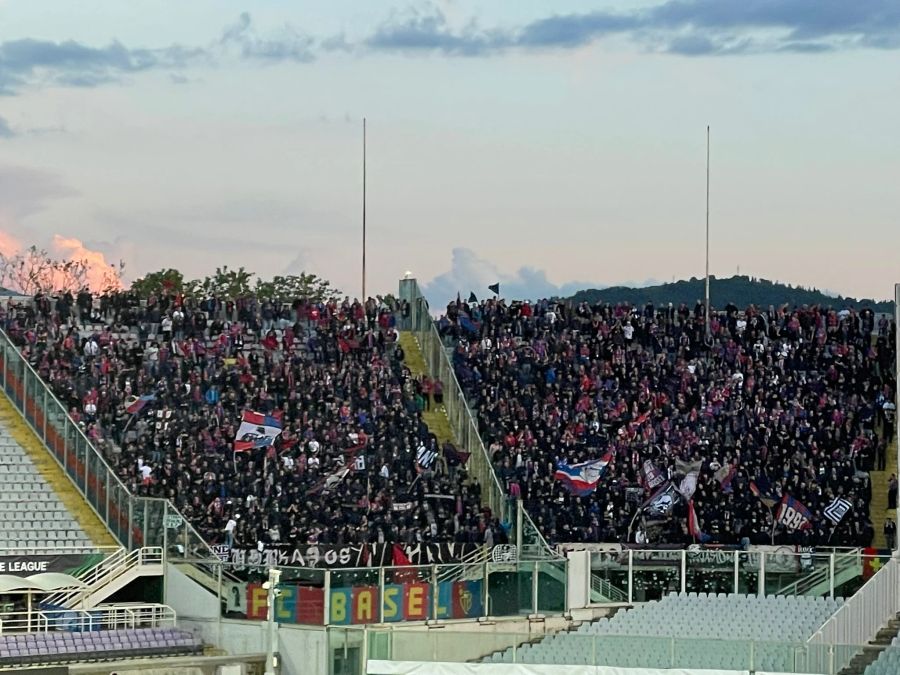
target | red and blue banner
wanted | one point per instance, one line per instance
(135, 404)
(582, 479)
(257, 431)
(793, 514)
(362, 604)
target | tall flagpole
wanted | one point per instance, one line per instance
(706, 301)
(363, 299)
(896, 400)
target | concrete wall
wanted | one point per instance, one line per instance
(187, 597)
(303, 650)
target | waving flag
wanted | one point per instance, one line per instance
(582, 479)
(725, 475)
(257, 431)
(134, 404)
(661, 505)
(694, 523)
(760, 488)
(651, 477)
(691, 471)
(836, 511)
(793, 515)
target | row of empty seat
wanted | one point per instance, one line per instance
(724, 631)
(31, 515)
(61, 647)
(888, 662)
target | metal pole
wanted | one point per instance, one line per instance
(363, 298)
(761, 589)
(706, 301)
(831, 575)
(897, 398)
(630, 576)
(737, 572)
(272, 588)
(519, 528)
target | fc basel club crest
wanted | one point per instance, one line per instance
(465, 599)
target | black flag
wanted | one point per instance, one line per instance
(472, 297)
(495, 288)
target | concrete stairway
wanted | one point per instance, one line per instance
(869, 654)
(53, 475)
(436, 418)
(878, 508)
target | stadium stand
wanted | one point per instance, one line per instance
(790, 402)
(31, 515)
(888, 662)
(333, 371)
(61, 647)
(712, 632)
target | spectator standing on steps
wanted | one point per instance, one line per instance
(890, 533)
(892, 493)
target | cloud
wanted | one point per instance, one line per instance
(29, 62)
(100, 274)
(288, 44)
(5, 130)
(24, 192)
(684, 27)
(34, 63)
(470, 273)
(9, 245)
(429, 31)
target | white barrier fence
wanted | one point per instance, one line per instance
(430, 668)
(861, 617)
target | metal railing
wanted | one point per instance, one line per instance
(464, 424)
(104, 617)
(849, 564)
(99, 576)
(861, 617)
(409, 593)
(643, 574)
(75, 549)
(482, 554)
(132, 520)
(606, 590)
(458, 650)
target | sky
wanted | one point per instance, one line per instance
(548, 146)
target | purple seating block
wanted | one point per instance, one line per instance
(65, 646)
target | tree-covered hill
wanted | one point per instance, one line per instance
(740, 290)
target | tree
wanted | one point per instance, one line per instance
(161, 282)
(307, 286)
(34, 271)
(227, 283)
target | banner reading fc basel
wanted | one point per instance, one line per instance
(360, 604)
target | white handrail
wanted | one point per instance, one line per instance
(106, 572)
(115, 483)
(57, 550)
(859, 619)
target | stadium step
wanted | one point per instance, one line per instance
(868, 655)
(878, 508)
(436, 418)
(53, 475)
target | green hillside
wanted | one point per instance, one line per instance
(740, 290)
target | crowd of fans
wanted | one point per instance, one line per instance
(800, 401)
(334, 370)
(796, 400)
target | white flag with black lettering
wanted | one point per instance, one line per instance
(836, 511)
(425, 459)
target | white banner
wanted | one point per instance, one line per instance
(375, 667)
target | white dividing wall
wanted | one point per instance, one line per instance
(188, 598)
(578, 587)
